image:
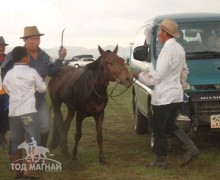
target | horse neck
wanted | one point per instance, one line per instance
(100, 77)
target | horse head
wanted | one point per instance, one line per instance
(114, 67)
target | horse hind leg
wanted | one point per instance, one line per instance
(57, 126)
(67, 122)
(55, 138)
(78, 134)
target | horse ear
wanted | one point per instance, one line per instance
(101, 51)
(115, 50)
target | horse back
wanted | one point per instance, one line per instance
(61, 85)
(75, 87)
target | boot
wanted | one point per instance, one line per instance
(10, 154)
(30, 173)
(44, 138)
(3, 141)
(160, 162)
(191, 151)
(16, 159)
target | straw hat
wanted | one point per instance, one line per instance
(31, 31)
(171, 27)
(2, 41)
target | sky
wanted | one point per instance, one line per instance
(88, 23)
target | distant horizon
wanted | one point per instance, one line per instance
(71, 46)
(123, 52)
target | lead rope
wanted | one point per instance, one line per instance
(111, 96)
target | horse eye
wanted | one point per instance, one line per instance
(109, 63)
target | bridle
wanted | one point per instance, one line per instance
(117, 80)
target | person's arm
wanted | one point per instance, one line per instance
(6, 84)
(184, 75)
(162, 68)
(7, 64)
(40, 85)
(56, 66)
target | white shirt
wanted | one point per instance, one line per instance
(171, 72)
(20, 83)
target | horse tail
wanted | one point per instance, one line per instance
(50, 109)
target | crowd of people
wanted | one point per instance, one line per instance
(24, 109)
(23, 93)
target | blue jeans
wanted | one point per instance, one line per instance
(43, 117)
(21, 125)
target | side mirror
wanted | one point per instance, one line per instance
(140, 53)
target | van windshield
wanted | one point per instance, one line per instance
(200, 40)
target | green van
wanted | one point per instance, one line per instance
(200, 37)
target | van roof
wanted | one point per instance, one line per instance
(187, 17)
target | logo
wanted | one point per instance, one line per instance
(36, 158)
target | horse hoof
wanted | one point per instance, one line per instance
(54, 145)
(74, 158)
(103, 162)
(66, 154)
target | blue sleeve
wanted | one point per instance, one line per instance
(54, 67)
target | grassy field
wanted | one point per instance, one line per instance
(126, 152)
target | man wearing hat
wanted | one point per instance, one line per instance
(169, 80)
(4, 100)
(42, 62)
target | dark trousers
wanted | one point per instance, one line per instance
(163, 122)
(4, 122)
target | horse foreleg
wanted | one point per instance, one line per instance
(78, 134)
(99, 121)
(64, 142)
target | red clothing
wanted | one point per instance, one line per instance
(2, 90)
(1, 59)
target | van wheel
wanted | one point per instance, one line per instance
(152, 144)
(76, 65)
(141, 122)
(151, 135)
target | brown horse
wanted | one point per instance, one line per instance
(84, 91)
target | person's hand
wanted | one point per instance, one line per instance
(185, 85)
(135, 72)
(62, 53)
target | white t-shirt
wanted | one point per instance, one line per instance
(20, 83)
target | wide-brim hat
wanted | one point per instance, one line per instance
(31, 31)
(171, 27)
(2, 41)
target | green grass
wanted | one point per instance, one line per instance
(126, 152)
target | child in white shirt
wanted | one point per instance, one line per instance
(21, 83)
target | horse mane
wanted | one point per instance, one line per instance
(94, 65)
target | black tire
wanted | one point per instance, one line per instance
(150, 129)
(141, 121)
